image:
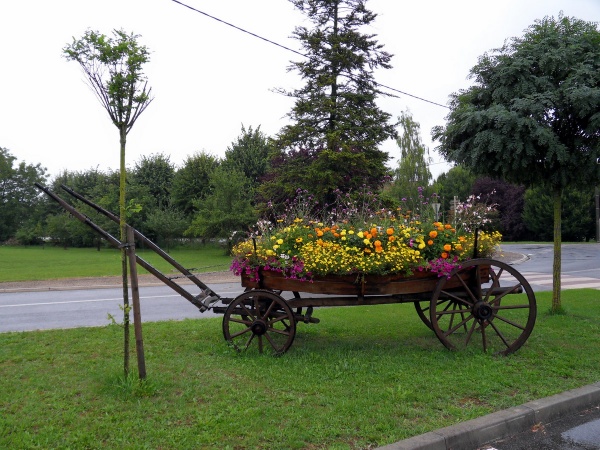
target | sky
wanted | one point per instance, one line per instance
(208, 79)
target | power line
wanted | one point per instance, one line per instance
(296, 51)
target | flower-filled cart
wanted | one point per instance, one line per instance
(458, 291)
(462, 299)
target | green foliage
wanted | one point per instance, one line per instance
(249, 154)
(336, 126)
(113, 67)
(155, 173)
(457, 182)
(532, 115)
(17, 192)
(166, 223)
(413, 171)
(336, 107)
(577, 212)
(191, 181)
(227, 208)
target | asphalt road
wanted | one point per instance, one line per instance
(43, 310)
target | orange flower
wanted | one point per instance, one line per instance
(447, 247)
(433, 234)
(389, 231)
(391, 239)
(319, 232)
(447, 226)
(429, 242)
(377, 243)
(444, 255)
(374, 231)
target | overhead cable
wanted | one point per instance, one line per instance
(295, 51)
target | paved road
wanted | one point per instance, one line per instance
(42, 310)
(580, 265)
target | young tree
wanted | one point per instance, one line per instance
(113, 67)
(413, 170)
(532, 115)
(335, 115)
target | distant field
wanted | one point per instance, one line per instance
(46, 263)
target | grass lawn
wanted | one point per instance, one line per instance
(44, 263)
(363, 377)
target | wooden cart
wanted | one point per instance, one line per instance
(475, 303)
(485, 301)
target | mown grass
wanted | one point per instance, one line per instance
(44, 263)
(363, 377)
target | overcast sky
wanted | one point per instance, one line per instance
(208, 78)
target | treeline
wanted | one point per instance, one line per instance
(213, 198)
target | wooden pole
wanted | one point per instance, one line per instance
(135, 295)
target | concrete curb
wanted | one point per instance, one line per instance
(501, 424)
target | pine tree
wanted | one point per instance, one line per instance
(335, 117)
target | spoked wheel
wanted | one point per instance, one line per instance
(423, 308)
(261, 318)
(476, 303)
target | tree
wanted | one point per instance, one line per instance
(249, 154)
(156, 173)
(335, 115)
(191, 181)
(17, 192)
(113, 68)
(227, 208)
(532, 117)
(167, 223)
(413, 170)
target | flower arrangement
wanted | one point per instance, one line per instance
(390, 243)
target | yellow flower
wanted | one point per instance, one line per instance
(280, 241)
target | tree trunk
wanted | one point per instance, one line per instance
(123, 237)
(556, 266)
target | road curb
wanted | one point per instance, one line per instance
(501, 424)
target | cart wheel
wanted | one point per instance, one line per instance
(262, 317)
(481, 307)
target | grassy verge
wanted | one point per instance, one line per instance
(363, 377)
(45, 263)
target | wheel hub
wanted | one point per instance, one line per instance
(259, 327)
(482, 311)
